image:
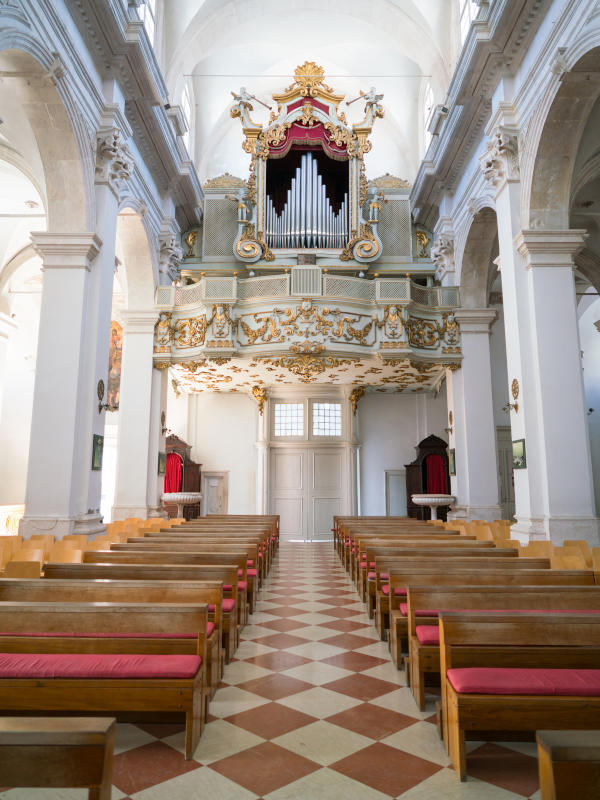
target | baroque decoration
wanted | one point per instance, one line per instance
(114, 162)
(307, 113)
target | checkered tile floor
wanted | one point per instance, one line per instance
(311, 707)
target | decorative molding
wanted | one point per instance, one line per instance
(66, 250)
(500, 162)
(442, 255)
(225, 181)
(114, 162)
(388, 181)
(355, 396)
(550, 248)
(170, 255)
(260, 395)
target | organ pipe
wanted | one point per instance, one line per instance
(307, 219)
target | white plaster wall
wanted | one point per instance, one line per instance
(15, 423)
(390, 427)
(590, 345)
(499, 369)
(177, 413)
(222, 432)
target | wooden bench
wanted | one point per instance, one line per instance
(401, 580)
(169, 572)
(569, 764)
(517, 672)
(101, 679)
(465, 558)
(201, 546)
(209, 593)
(423, 603)
(58, 752)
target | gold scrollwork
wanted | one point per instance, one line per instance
(307, 366)
(260, 395)
(423, 333)
(355, 396)
(365, 242)
(190, 331)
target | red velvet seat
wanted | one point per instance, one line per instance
(250, 562)
(84, 635)
(535, 681)
(252, 573)
(398, 591)
(428, 634)
(242, 586)
(210, 626)
(420, 612)
(228, 605)
(97, 665)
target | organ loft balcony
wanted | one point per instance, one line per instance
(307, 270)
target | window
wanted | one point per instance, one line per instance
(289, 419)
(427, 109)
(467, 10)
(148, 16)
(327, 419)
(186, 110)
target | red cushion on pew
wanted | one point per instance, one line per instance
(228, 605)
(420, 612)
(227, 587)
(434, 612)
(210, 626)
(242, 586)
(372, 565)
(250, 562)
(260, 555)
(384, 576)
(371, 576)
(252, 573)
(428, 634)
(535, 681)
(96, 665)
(240, 573)
(398, 591)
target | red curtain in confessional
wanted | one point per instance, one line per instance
(435, 471)
(173, 473)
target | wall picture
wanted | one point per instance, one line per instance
(452, 461)
(97, 448)
(162, 463)
(114, 365)
(518, 454)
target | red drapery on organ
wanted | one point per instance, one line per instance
(173, 473)
(435, 473)
(305, 137)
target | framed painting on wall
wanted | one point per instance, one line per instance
(162, 463)
(97, 448)
(519, 456)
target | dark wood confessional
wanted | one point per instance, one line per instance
(416, 477)
(190, 478)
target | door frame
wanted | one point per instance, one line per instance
(215, 473)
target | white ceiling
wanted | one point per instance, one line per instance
(224, 44)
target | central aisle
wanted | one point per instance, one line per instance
(312, 708)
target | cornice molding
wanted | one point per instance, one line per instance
(550, 248)
(66, 250)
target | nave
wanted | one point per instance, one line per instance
(309, 707)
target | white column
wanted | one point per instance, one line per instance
(353, 449)
(135, 413)
(263, 455)
(61, 433)
(7, 328)
(473, 434)
(562, 456)
(158, 408)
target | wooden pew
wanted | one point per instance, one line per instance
(58, 752)
(488, 682)
(176, 545)
(147, 592)
(86, 681)
(238, 559)
(170, 572)
(569, 764)
(424, 602)
(400, 580)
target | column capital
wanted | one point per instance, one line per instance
(500, 162)
(66, 250)
(142, 321)
(475, 320)
(550, 248)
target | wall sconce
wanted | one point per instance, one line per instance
(163, 424)
(450, 430)
(514, 388)
(103, 406)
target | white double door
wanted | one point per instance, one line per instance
(307, 487)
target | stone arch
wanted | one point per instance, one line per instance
(55, 138)
(556, 139)
(137, 250)
(480, 248)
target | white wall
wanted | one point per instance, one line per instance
(390, 427)
(177, 413)
(222, 432)
(590, 345)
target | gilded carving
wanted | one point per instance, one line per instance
(190, 331)
(391, 322)
(307, 366)
(190, 240)
(388, 181)
(163, 333)
(366, 245)
(260, 395)
(225, 181)
(355, 396)
(422, 244)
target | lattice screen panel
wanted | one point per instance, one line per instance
(394, 228)
(219, 230)
(353, 288)
(250, 288)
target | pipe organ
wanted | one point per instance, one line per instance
(307, 187)
(307, 219)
